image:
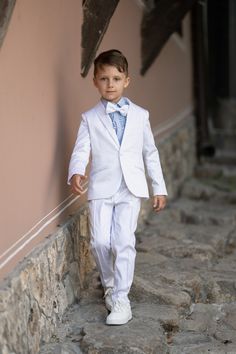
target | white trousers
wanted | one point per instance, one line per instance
(113, 222)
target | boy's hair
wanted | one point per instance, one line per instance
(111, 57)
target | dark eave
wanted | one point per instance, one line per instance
(159, 22)
(6, 9)
(96, 19)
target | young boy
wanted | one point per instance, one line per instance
(117, 135)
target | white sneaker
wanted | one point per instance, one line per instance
(108, 298)
(120, 314)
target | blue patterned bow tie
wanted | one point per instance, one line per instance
(111, 108)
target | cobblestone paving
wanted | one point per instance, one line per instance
(184, 292)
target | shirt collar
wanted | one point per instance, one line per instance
(120, 103)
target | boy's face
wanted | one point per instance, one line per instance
(110, 82)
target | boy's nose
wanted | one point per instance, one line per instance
(110, 83)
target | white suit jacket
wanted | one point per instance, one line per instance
(110, 160)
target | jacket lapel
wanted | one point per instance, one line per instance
(129, 126)
(106, 121)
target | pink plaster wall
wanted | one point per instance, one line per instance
(42, 96)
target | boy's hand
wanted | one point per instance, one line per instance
(76, 184)
(159, 202)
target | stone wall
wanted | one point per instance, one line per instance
(178, 155)
(35, 295)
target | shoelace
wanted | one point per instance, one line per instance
(107, 292)
(119, 306)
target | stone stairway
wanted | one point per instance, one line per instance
(184, 292)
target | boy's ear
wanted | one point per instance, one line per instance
(127, 81)
(95, 82)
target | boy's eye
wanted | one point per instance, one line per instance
(114, 79)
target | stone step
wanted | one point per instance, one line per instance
(207, 328)
(179, 283)
(201, 344)
(158, 291)
(203, 212)
(215, 170)
(223, 157)
(212, 182)
(199, 212)
(60, 348)
(184, 292)
(191, 240)
(146, 333)
(209, 190)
